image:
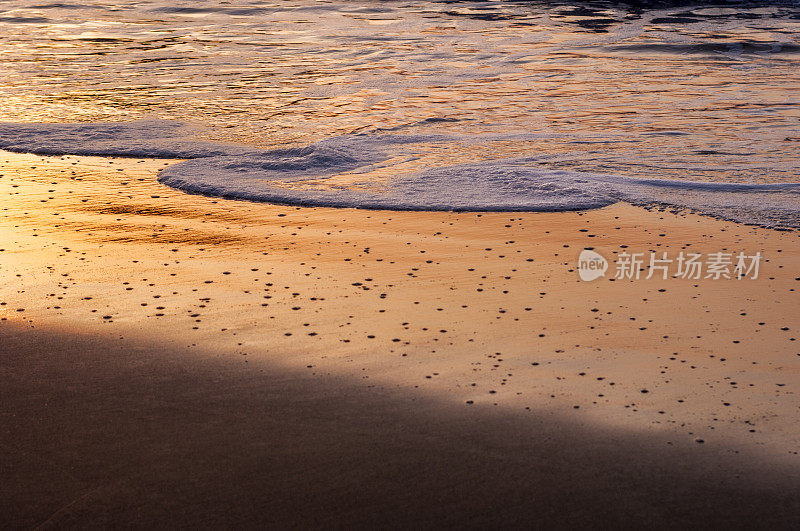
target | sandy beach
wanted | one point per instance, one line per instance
(174, 360)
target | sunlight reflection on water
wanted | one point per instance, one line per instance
(697, 93)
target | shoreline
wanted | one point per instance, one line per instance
(432, 326)
(353, 172)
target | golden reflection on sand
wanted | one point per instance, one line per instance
(478, 308)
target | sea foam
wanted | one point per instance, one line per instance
(312, 175)
(163, 139)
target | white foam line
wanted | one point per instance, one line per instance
(286, 175)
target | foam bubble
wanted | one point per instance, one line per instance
(141, 138)
(312, 175)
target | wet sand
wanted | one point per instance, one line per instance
(183, 360)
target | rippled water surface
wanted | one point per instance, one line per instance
(702, 93)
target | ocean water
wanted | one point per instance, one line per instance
(422, 104)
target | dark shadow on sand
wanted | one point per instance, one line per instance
(98, 432)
